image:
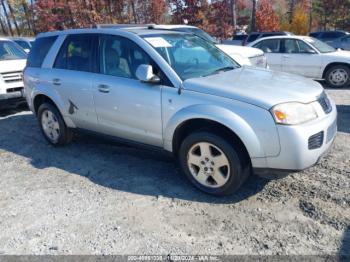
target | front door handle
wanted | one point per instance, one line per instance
(286, 56)
(103, 88)
(56, 81)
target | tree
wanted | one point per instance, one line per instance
(158, 10)
(13, 17)
(193, 11)
(300, 21)
(266, 18)
(7, 17)
(220, 23)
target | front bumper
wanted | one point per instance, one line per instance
(12, 99)
(295, 154)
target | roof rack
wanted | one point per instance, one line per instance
(116, 26)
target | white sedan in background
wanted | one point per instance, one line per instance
(306, 56)
(244, 55)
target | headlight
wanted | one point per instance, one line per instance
(293, 113)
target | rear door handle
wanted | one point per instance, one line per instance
(103, 88)
(286, 56)
(56, 81)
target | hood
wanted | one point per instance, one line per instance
(12, 65)
(243, 51)
(261, 87)
(340, 54)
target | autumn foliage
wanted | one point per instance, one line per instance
(300, 22)
(29, 17)
(266, 18)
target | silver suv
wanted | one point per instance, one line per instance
(178, 92)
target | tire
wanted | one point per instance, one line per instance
(224, 173)
(338, 76)
(51, 122)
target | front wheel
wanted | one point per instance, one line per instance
(338, 76)
(53, 126)
(213, 164)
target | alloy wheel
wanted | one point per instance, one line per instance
(338, 77)
(50, 125)
(208, 164)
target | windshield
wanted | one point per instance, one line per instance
(191, 56)
(319, 45)
(11, 51)
(202, 34)
(23, 44)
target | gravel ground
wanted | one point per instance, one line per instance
(94, 197)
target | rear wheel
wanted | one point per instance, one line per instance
(338, 76)
(213, 164)
(52, 125)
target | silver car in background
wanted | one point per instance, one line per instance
(179, 93)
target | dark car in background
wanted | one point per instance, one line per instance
(257, 35)
(236, 39)
(342, 43)
(329, 36)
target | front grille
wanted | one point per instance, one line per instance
(316, 140)
(16, 89)
(325, 103)
(11, 77)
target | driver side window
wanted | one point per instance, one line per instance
(120, 57)
(293, 46)
(304, 48)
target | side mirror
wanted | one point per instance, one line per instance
(145, 74)
(311, 52)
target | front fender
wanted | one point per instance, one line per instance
(218, 114)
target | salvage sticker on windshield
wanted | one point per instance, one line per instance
(158, 42)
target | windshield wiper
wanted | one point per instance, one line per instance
(222, 69)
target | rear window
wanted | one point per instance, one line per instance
(39, 51)
(22, 44)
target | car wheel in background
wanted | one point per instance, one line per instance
(338, 76)
(52, 125)
(213, 164)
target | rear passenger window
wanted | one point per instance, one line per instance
(39, 51)
(269, 46)
(76, 53)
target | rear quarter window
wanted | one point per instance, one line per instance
(39, 51)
